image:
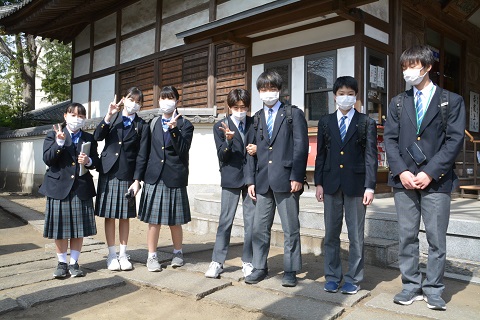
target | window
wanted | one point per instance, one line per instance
(320, 75)
(141, 77)
(284, 68)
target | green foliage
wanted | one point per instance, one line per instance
(56, 67)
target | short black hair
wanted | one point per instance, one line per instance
(418, 53)
(269, 79)
(236, 95)
(81, 110)
(135, 92)
(345, 81)
(169, 92)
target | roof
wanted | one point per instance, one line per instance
(50, 114)
(5, 11)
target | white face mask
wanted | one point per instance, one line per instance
(131, 106)
(167, 106)
(345, 102)
(74, 123)
(239, 115)
(412, 76)
(269, 97)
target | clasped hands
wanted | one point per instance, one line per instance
(410, 181)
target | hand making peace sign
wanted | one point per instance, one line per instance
(173, 123)
(114, 107)
(59, 134)
(228, 133)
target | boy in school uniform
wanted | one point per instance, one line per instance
(345, 178)
(276, 181)
(234, 138)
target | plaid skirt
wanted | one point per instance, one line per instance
(111, 201)
(69, 218)
(163, 205)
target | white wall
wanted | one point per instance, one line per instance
(105, 29)
(137, 46)
(234, 6)
(377, 9)
(138, 15)
(103, 91)
(376, 34)
(80, 93)
(22, 156)
(256, 102)
(203, 157)
(104, 58)
(169, 30)
(171, 7)
(82, 41)
(82, 65)
(298, 82)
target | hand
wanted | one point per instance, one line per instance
(319, 193)
(296, 186)
(114, 107)
(83, 158)
(251, 192)
(135, 187)
(173, 123)
(367, 198)
(59, 134)
(252, 149)
(406, 177)
(422, 180)
(226, 130)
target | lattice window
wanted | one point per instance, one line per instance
(141, 77)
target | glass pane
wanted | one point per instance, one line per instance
(320, 73)
(317, 104)
(284, 72)
(451, 66)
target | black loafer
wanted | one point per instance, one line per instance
(256, 276)
(289, 279)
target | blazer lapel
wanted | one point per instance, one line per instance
(69, 145)
(264, 131)
(333, 124)
(279, 118)
(133, 130)
(409, 106)
(352, 127)
(432, 110)
(118, 124)
(237, 134)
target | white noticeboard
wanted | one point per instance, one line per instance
(474, 114)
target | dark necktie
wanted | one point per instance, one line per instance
(270, 123)
(419, 108)
(127, 122)
(343, 127)
(241, 128)
(75, 136)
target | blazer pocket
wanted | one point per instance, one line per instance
(287, 163)
(54, 175)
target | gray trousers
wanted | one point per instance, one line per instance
(355, 220)
(288, 207)
(434, 208)
(230, 197)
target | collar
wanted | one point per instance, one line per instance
(131, 116)
(428, 88)
(349, 114)
(275, 107)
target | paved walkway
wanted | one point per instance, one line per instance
(26, 281)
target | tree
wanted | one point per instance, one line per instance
(56, 65)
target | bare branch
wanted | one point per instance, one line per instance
(5, 49)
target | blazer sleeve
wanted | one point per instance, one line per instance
(224, 149)
(142, 156)
(443, 160)
(391, 136)
(103, 129)
(94, 154)
(371, 152)
(321, 153)
(300, 146)
(51, 150)
(181, 140)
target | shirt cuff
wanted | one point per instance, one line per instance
(89, 162)
(60, 142)
(369, 190)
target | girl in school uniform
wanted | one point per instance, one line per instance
(123, 162)
(164, 199)
(69, 211)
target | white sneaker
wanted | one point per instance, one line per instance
(153, 265)
(113, 264)
(247, 269)
(214, 270)
(125, 264)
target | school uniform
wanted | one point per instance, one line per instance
(69, 211)
(281, 158)
(123, 160)
(232, 156)
(345, 169)
(164, 199)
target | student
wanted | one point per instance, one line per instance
(423, 135)
(277, 179)
(124, 159)
(234, 136)
(345, 178)
(69, 212)
(164, 200)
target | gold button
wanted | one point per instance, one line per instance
(270, 161)
(341, 152)
(116, 154)
(162, 160)
(341, 166)
(103, 125)
(442, 174)
(174, 135)
(418, 138)
(270, 148)
(225, 148)
(73, 163)
(72, 176)
(119, 142)
(58, 151)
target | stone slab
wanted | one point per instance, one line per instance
(17, 258)
(376, 314)
(185, 284)
(47, 291)
(419, 309)
(313, 290)
(275, 305)
(233, 273)
(33, 217)
(8, 304)
(23, 279)
(23, 268)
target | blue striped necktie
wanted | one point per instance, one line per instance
(419, 108)
(343, 127)
(270, 123)
(240, 127)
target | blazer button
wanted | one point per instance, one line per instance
(73, 163)
(162, 161)
(341, 152)
(72, 176)
(103, 125)
(164, 148)
(58, 151)
(270, 148)
(119, 142)
(116, 154)
(270, 161)
(418, 138)
(341, 166)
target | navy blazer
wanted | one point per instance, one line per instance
(440, 147)
(124, 156)
(233, 157)
(170, 162)
(345, 165)
(283, 158)
(62, 175)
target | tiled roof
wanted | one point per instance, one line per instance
(48, 115)
(5, 11)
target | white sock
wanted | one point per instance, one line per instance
(177, 251)
(62, 257)
(123, 250)
(74, 254)
(112, 251)
(152, 255)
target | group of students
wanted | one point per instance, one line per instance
(263, 159)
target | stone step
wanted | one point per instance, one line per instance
(381, 252)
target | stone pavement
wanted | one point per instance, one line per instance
(26, 281)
